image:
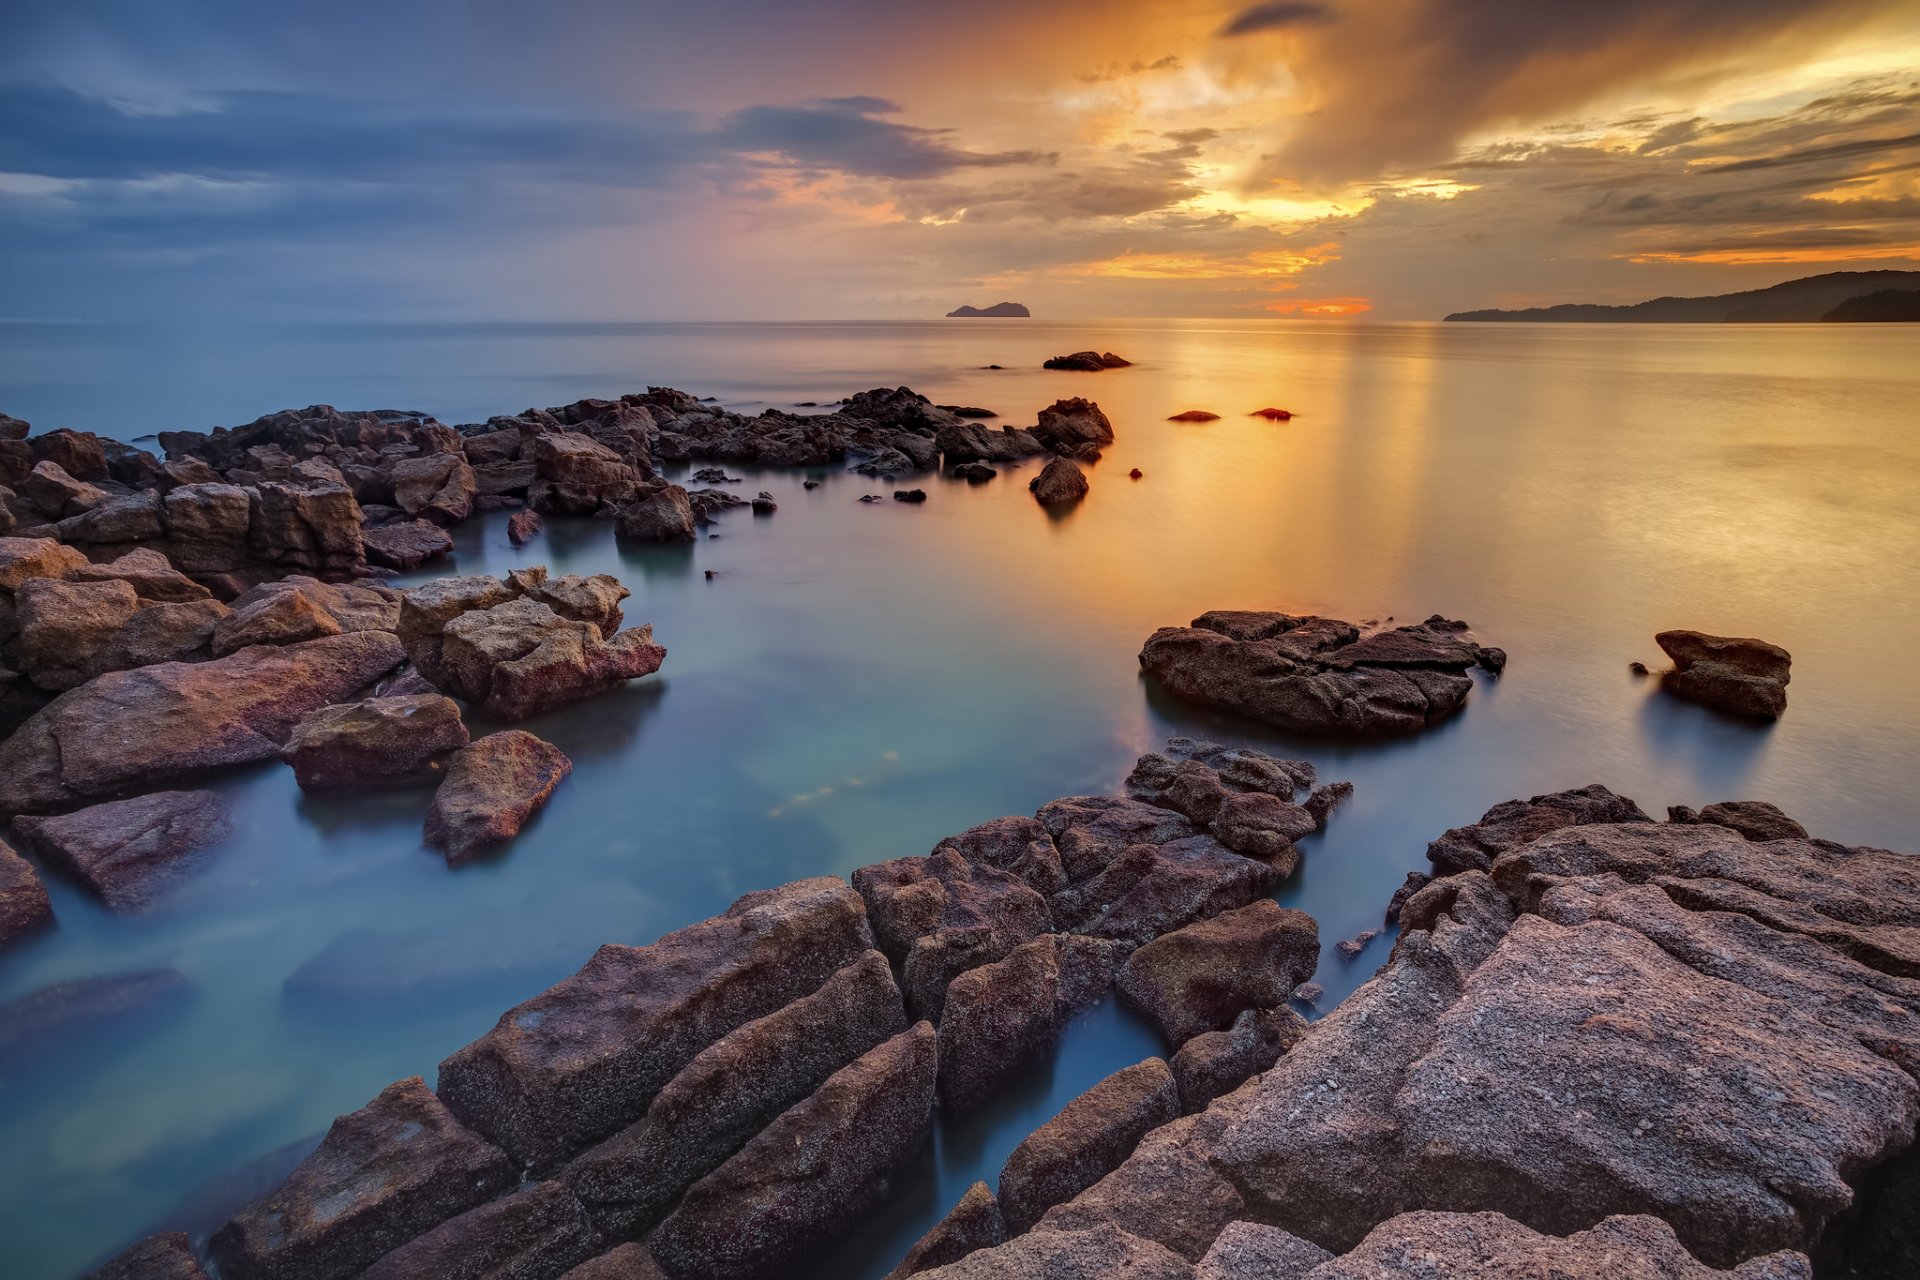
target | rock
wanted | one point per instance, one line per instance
(153, 633)
(1634, 1247)
(1087, 362)
(179, 719)
(628, 1262)
(1235, 769)
(491, 788)
(1067, 425)
(280, 617)
(965, 442)
(523, 527)
(65, 625)
(1739, 676)
(1513, 823)
(909, 495)
(126, 851)
(24, 906)
(152, 577)
(1000, 1015)
(1215, 1063)
(974, 1223)
(587, 1056)
(163, 1257)
(426, 611)
(665, 516)
(1090, 832)
(1249, 1251)
(1754, 819)
(1262, 826)
(77, 452)
(114, 522)
(408, 545)
(1154, 889)
(384, 1175)
(1059, 482)
(37, 1027)
(1019, 845)
(1135, 474)
(1319, 675)
(764, 505)
(1351, 948)
(1638, 668)
(578, 476)
(381, 742)
(311, 528)
(439, 486)
(576, 597)
(974, 472)
(56, 495)
(1272, 414)
(732, 1090)
(12, 428)
(889, 462)
(713, 475)
(708, 503)
(1102, 1253)
(1324, 800)
(998, 311)
(521, 658)
(944, 914)
(1201, 977)
(539, 1230)
(22, 559)
(1415, 882)
(1194, 415)
(1086, 1141)
(811, 1173)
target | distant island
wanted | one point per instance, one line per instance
(1838, 295)
(998, 311)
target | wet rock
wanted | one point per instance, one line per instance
(408, 545)
(974, 472)
(1194, 415)
(1638, 668)
(521, 658)
(163, 1257)
(1067, 425)
(1754, 819)
(384, 1175)
(942, 915)
(56, 495)
(1351, 948)
(491, 788)
(1739, 676)
(1415, 882)
(1634, 1247)
(438, 486)
(1086, 1141)
(1201, 977)
(970, 442)
(38, 1026)
(1249, 1251)
(24, 906)
(23, 559)
(1150, 890)
(665, 516)
(1319, 675)
(732, 1090)
(1089, 832)
(1059, 482)
(1019, 845)
(539, 1230)
(909, 495)
(887, 463)
(1103, 1253)
(179, 719)
(809, 1174)
(127, 851)
(764, 505)
(587, 1056)
(1513, 823)
(523, 527)
(381, 742)
(1273, 415)
(1087, 362)
(974, 1223)
(713, 475)
(1215, 1063)
(1135, 474)
(999, 1016)
(708, 503)
(1324, 800)
(628, 1262)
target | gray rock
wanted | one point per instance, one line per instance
(1248, 1251)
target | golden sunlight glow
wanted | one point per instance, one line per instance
(1766, 255)
(1320, 308)
(1266, 264)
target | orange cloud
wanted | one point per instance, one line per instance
(1320, 308)
(1264, 264)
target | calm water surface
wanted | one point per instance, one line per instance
(857, 682)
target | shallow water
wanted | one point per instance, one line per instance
(858, 681)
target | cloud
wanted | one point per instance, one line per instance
(1283, 16)
(847, 135)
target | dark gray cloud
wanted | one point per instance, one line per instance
(848, 135)
(1288, 15)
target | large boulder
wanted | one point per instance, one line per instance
(1148, 890)
(127, 851)
(438, 486)
(1203, 976)
(539, 1230)
(1513, 823)
(1086, 362)
(1000, 1016)
(181, 719)
(299, 608)
(382, 742)
(576, 597)
(385, 1174)
(1090, 832)
(1090, 1137)
(521, 658)
(425, 612)
(1058, 483)
(1739, 676)
(1249, 1251)
(36, 1028)
(1622, 1247)
(490, 790)
(150, 574)
(407, 545)
(1319, 675)
(56, 495)
(75, 630)
(810, 1174)
(587, 1056)
(625, 1262)
(77, 452)
(1215, 1063)
(972, 442)
(974, 1223)
(23, 559)
(1067, 426)
(24, 906)
(732, 1090)
(575, 475)
(1019, 845)
(307, 527)
(663, 516)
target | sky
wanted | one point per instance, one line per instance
(851, 159)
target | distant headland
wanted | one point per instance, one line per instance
(1825, 297)
(998, 311)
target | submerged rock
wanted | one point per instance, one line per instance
(523, 527)
(491, 788)
(1059, 482)
(382, 742)
(37, 1027)
(127, 851)
(1739, 676)
(1201, 977)
(1086, 1141)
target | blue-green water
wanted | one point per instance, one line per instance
(858, 681)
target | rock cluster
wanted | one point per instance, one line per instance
(1320, 675)
(1086, 362)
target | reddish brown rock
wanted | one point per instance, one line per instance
(272, 617)
(22, 559)
(524, 526)
(24, 906)
(1019, 845)
(1262, 826)
(586, 1057)
(1103, 1253)
(1739, 676)
(1754, 819)
(128, 851)
(539, 1230)
(732, 1090)
(1067, 425)
(1090, 1137)
(1059, 483)
(492, 787)
(628, 1262)
(974, 1223)
(520, 658)
(999, 1016)
(577, 476)
(178, 719)
(149, 573)
(663, 516)
(57, 495)
(942, 915)
(575, 597)
(382, 742)
(1248, 1251)
(1091, 831)
(1151, 890)
(1215, 1063)
(407, 545)
(64, 625)
(809, 1174)
(163, 1257)
(1202, 977)
(78, 452)
(1496, 1247)
(426, 610)
(1513, 823)
(438, 486)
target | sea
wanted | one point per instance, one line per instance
(850, 682)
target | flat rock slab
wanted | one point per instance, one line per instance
(384, 1175)
(127, 851)
(44, 1023)
(491, 788)
(586, 1057)
(382, 742)
(178, 719)
(407, 545)
(810, 1173)
(1320, 675)
(1086, 1141)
